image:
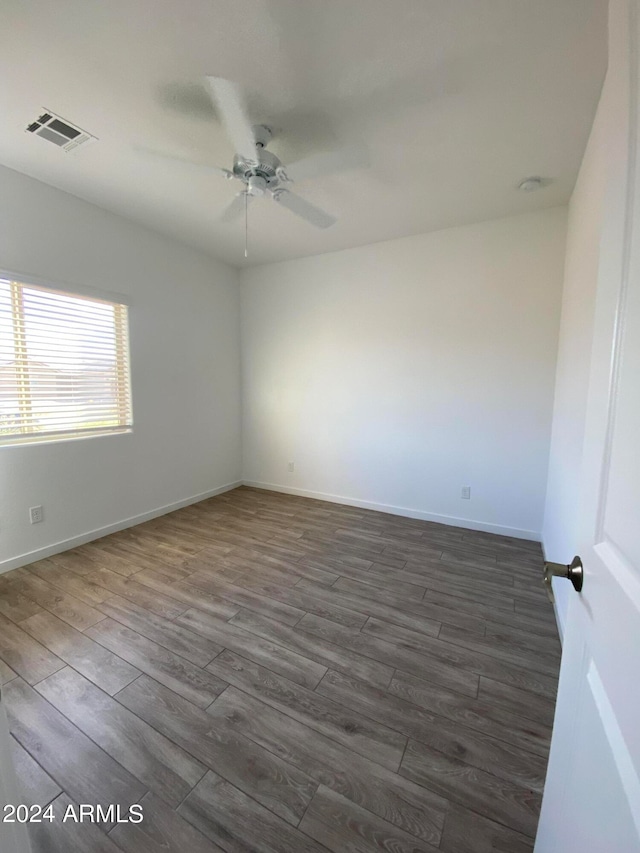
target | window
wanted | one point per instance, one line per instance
(64, 365)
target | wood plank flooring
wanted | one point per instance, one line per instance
(271, 673)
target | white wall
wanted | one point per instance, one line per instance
(393, 374)
(184, 329)
(585, 224)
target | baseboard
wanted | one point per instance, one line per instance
(451, 520)
(98, 533)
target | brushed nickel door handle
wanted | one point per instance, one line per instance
(573, 572)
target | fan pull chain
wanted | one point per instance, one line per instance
(246, 225)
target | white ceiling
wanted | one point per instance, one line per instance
(456, 101)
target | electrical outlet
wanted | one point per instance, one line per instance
(465, 493)
(290, 467)
(36, 514)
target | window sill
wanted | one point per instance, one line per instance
(50, 438)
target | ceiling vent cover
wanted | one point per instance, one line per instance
(59, 131)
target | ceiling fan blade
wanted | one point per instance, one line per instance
(356, 157)
(236, 208)
(304, 209)
(230, 103)
(216, 170)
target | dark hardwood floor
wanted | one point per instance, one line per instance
(271, 673)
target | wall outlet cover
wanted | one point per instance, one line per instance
(36, 514)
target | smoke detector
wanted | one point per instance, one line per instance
(61, 132)
(530, 185)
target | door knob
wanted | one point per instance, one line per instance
(572, 572)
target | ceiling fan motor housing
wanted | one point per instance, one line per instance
(266, 168)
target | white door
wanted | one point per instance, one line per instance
(592, 795)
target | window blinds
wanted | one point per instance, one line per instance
(64, 365)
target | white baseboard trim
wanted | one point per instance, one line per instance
(99, 532)
(470, 524)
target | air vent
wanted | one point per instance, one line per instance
(59, 131)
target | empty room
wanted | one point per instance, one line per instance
(319, 418)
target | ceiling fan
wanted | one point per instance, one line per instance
(261, 172)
